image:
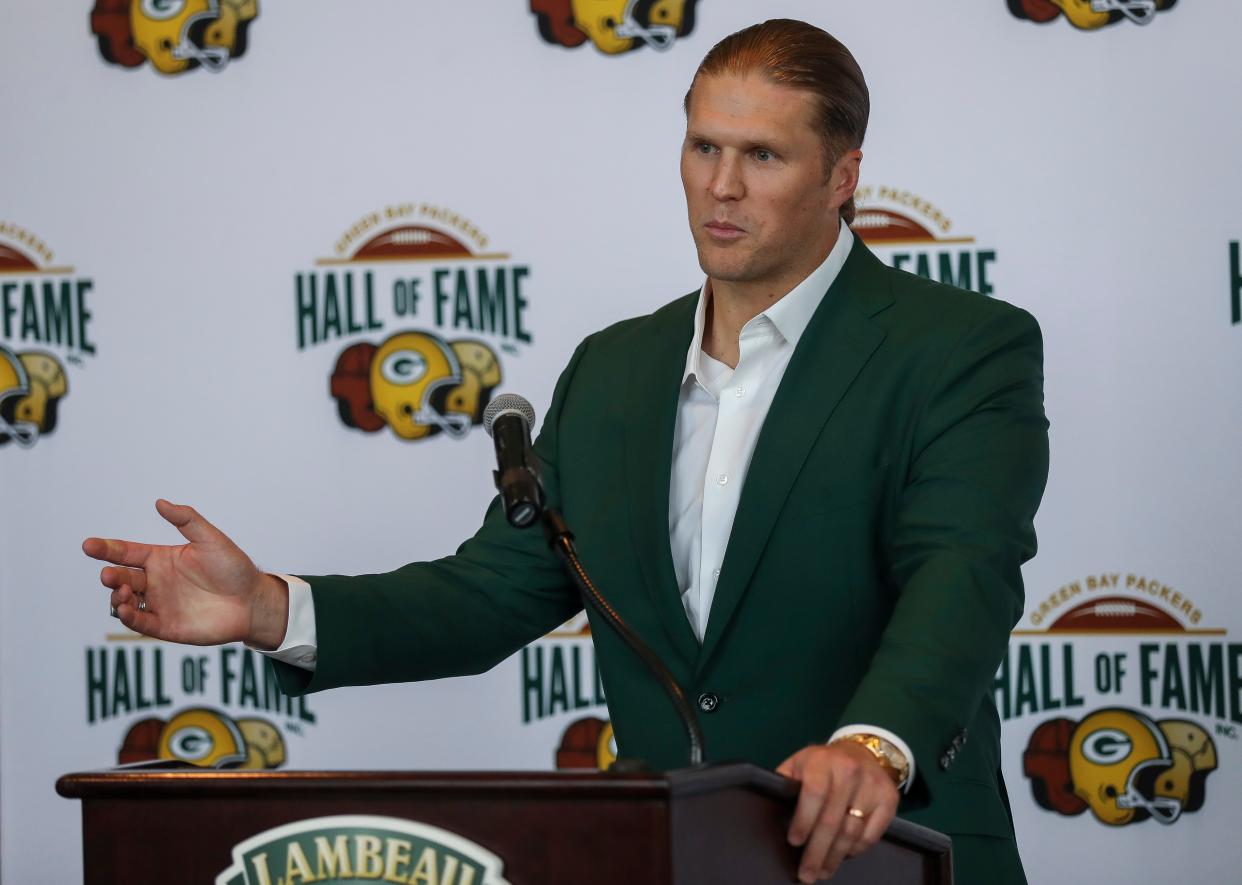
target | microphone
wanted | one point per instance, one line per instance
(508, 420)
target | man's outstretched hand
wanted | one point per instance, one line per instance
(204, 592)
(836, 778)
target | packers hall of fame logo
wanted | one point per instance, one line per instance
(1133, 697)
(1090, 15)
(175, 36)
(427, 309)
(221, 708)
(614, 27)
(45, 324)
(913, 234)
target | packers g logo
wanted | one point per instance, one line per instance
(32, 383)
(614, 26)
(173, 35)
(1122, 765)
(415, 383)
(207, 738)
(1088, 15)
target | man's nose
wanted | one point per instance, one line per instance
(726, 183)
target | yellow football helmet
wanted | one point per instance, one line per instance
(265, 745)
(203, 737)
(1194, 758)
(1091, 14)
(411, 373)
(614, 27)
(15, 389)
(179, 34)
(47, 385)
(481, 375)
(1116, 757)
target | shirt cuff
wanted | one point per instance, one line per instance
(887, 735)
(299, 648)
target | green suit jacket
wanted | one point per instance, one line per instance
(872, 574)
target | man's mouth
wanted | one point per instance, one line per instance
(723, 230)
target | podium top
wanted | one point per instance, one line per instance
(176, 779)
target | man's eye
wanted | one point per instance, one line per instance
(703, 147)
(762, 155)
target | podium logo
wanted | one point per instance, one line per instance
(614, 26)
(42, 305)
(1090, 15)
(912, 234)
(351, 848)
(1122, 764)
(175, 36)
(447, 308)
(1134, 678)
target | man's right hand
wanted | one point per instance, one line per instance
(205, 592)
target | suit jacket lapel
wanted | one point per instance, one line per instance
(832, 351)
(650, 419)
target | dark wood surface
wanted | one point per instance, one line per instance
(718, 824)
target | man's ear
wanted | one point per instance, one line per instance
(844, 177)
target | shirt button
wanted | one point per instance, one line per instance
(740, 392)
(716, 574)
(722, 479)
(709, 701)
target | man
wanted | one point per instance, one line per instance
(830, 471)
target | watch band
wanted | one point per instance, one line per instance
(891, 759)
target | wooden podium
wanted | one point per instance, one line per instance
(717, 824)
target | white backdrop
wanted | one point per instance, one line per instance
(1098, 167)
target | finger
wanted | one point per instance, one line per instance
(830, 826)
(188, 521)
(117, 552)
(873, 832)
(810, 803)
(114, 577)
(126, 604)
(848, 835)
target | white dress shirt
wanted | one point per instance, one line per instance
(720, 412)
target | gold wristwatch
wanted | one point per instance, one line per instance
(890, 758)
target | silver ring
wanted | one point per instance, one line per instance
(142, 604)
(112, 612)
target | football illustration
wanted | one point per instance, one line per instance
(1116, 613)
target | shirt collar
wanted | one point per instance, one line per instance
(791, 314)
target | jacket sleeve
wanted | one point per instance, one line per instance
(452, 617)
(962, 528)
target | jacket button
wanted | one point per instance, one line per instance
(709, 701)
(945, 762)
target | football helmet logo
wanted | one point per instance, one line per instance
(416, 384)
(614, 26)
(1121, 764)
(1090, 14)
(1116, 757)
(32, 384)
(203, 737)
(410, 376)
(207, 738)
(174, 35)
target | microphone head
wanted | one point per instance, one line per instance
(505, 404)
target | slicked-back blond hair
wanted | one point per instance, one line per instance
(796, 54)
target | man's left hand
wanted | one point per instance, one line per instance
(836, 779)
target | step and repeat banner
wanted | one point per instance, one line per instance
(228, 228)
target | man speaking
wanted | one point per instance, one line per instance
(809, 486)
